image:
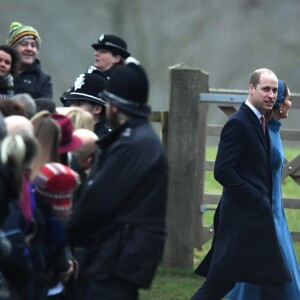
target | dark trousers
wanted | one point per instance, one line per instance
(274, 291)
(109, 289)
(213, 290)
(216, 290)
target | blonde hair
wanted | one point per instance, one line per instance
(47, 131)
(18, 152)
(13, 150)
(80, 118)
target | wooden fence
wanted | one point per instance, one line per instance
(184, 129)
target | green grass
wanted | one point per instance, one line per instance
(171, 284)
(174, 284)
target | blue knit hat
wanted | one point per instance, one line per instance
(280, 94)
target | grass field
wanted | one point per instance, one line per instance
(177, 284)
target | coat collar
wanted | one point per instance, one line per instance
(263, 137)
(115, 134)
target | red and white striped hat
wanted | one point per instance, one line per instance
(56, 183)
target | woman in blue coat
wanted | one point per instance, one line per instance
(244, 291)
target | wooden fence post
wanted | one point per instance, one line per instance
(186, 155)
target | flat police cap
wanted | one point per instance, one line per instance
(112, 43)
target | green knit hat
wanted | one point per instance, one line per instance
(19, 32)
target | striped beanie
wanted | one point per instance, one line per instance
(19, 32)
(55, 184)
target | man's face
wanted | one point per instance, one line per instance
(28, 51)
(5, 63)
(263, 96)
(104, 59)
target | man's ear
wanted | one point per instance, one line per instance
(88, 161)
(114, 108)
(251, 88)
(98, 109)
(118, 59)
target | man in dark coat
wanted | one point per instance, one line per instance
(119, 222)
(245, 246)
(30, 78)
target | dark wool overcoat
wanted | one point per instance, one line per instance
(120, 219)
(245, 246)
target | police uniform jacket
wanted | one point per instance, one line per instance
(120, 219)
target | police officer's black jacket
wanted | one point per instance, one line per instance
(101, 128)
(120, 219)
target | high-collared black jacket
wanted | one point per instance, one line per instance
(120, 218)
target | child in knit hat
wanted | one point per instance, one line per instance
(55, 185)
(31, 79)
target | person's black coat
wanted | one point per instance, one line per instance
(7, 191)
(101, 129)
(120, 219)
(35, 82)
(17, 269)
(245, 246)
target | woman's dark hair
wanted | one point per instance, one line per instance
(14, 58)
(285, 90)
